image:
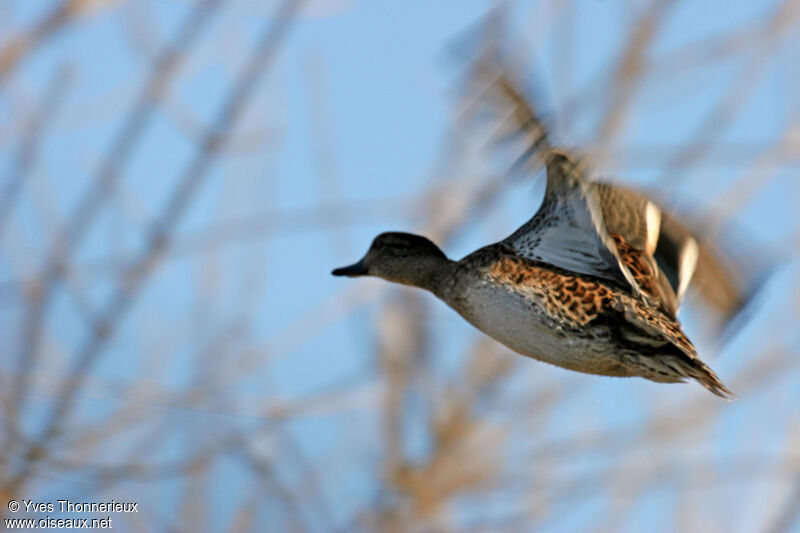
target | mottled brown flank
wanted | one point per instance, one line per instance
(656, 324)
(574, 302)
(564, 297)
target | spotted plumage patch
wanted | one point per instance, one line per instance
(566, 298)
(573, 302)
(637, 263)
(646, 275)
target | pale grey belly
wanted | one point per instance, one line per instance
(520, 324)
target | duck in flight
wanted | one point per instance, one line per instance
(592, 283)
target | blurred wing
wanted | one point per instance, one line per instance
(568, 231)
(597, 228)
(728, 270)
(495, 98)
(681, 255)
(571, 230)
(677, 255)
(634, 223)
(631, 215)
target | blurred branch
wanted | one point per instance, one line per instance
(322, 141)
(726, 109)
(13, 52)
(684, 59)
(32, 137)
(239, 230)
(788, 515)
(757, 176)
(93, 198)
(630, 67)
(268, 476)
(160, 232)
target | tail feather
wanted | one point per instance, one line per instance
(700, 372)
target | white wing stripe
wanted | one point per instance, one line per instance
(653, 225)
(688, 262)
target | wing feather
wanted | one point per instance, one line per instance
(568, 229)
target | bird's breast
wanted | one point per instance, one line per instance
(539, 321)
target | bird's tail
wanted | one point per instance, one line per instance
(700, 372)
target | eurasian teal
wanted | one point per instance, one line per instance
(591, 283)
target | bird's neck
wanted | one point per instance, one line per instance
(430, 273)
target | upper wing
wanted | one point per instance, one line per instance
(670, 255)
(628, 213)
(635, 224)
(568, 230)
(677, 254)
(588, 228)
(727, 271)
